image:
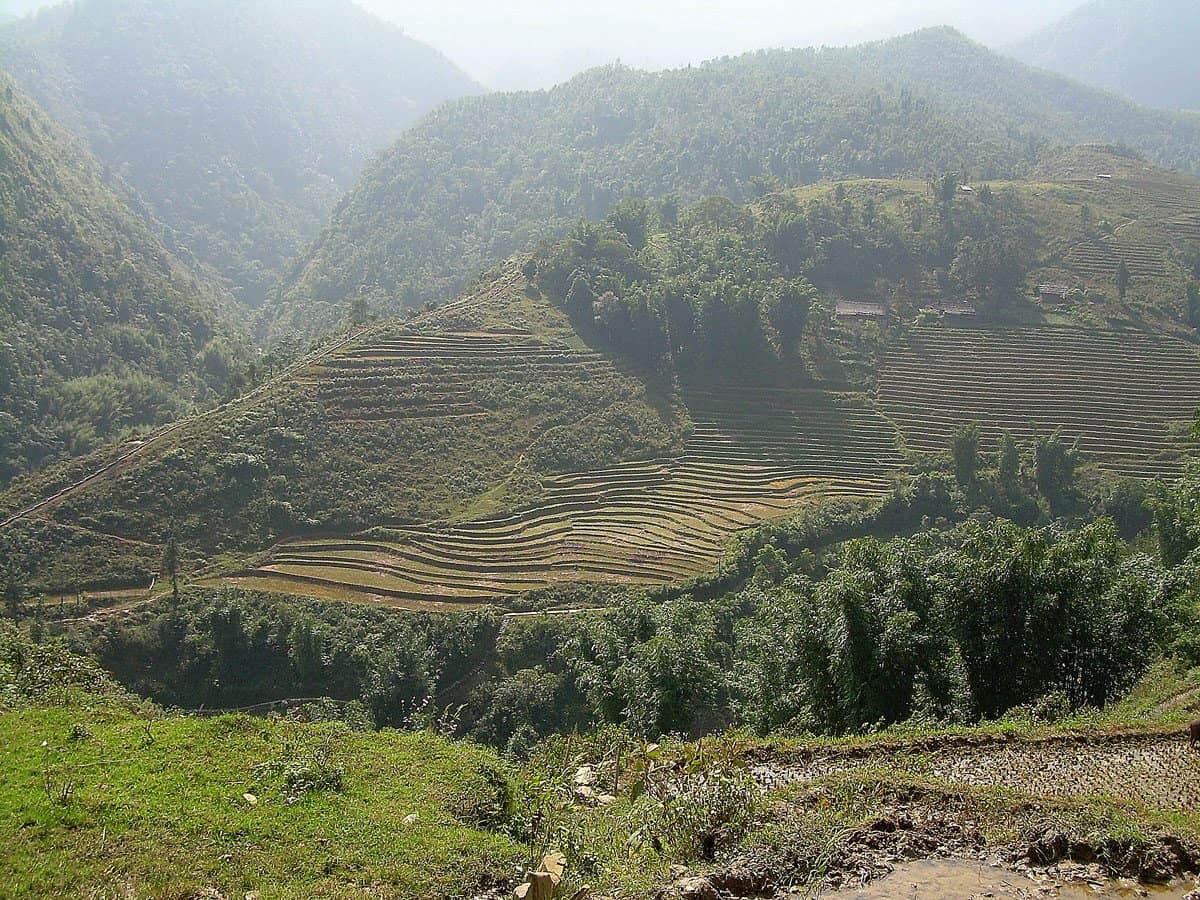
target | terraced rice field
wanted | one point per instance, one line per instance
(1101, 259)
(418, 376)
(1116, 393)
(1155, 770)
(755, 453)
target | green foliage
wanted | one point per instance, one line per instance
(1177, 517)
(32, 673)
(484, 178)
(1055, 467)
(101, 329)
(964, 449)
(1008, 461)
(750, 287)
(238, 123)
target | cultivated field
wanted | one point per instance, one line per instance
(1127, 397)
(755, 453)
(1154, 768)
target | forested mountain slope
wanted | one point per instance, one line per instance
(484, 177)
(1143, 49)
(240, 122)
(101, 329)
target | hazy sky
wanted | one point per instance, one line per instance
(530, 43)
(535, 43)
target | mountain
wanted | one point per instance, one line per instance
(101, 329)
(619, 405)
(239, 122)
(1143, 49)
(484, 177)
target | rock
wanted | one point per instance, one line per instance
(697, 889)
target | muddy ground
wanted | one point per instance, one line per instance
(926, 844)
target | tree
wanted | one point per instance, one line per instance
(14, 597)
(945, 190)
(1008, 461)
(360, 309)
(1055, 466)
(964, 447)
(1123, 279)
(632, 218)
(170, 566)
(991, 268)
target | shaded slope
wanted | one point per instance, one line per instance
(240, 123)
(482, 178)
(1143, 49)
(101, 330)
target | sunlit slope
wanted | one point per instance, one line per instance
(1127, 398)
(455, 415)
(756, 453)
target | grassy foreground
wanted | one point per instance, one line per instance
(104, 795)
(99, 800)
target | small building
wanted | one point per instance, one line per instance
(1053, 293)
(953, 307)
(1103, 177)
(966, 188)
(859, 309)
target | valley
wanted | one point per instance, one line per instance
(773, 477)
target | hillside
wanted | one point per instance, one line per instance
(619, 405)
(1141, 49)
(101, 330)
(240, 124)
(488, 176)
(97, 783)
(457, 413)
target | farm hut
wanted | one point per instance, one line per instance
(1053, 293)
(859, 309)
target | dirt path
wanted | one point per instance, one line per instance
(1154, 769)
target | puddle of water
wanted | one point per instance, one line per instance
(959, 879)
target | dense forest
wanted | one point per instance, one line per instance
(484, 177)
(1133, 47)
(717, 285)
(101, 329)
(239, 123)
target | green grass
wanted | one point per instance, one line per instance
(159, 809)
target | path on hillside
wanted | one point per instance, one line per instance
(157, 437)
(1154, 768)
